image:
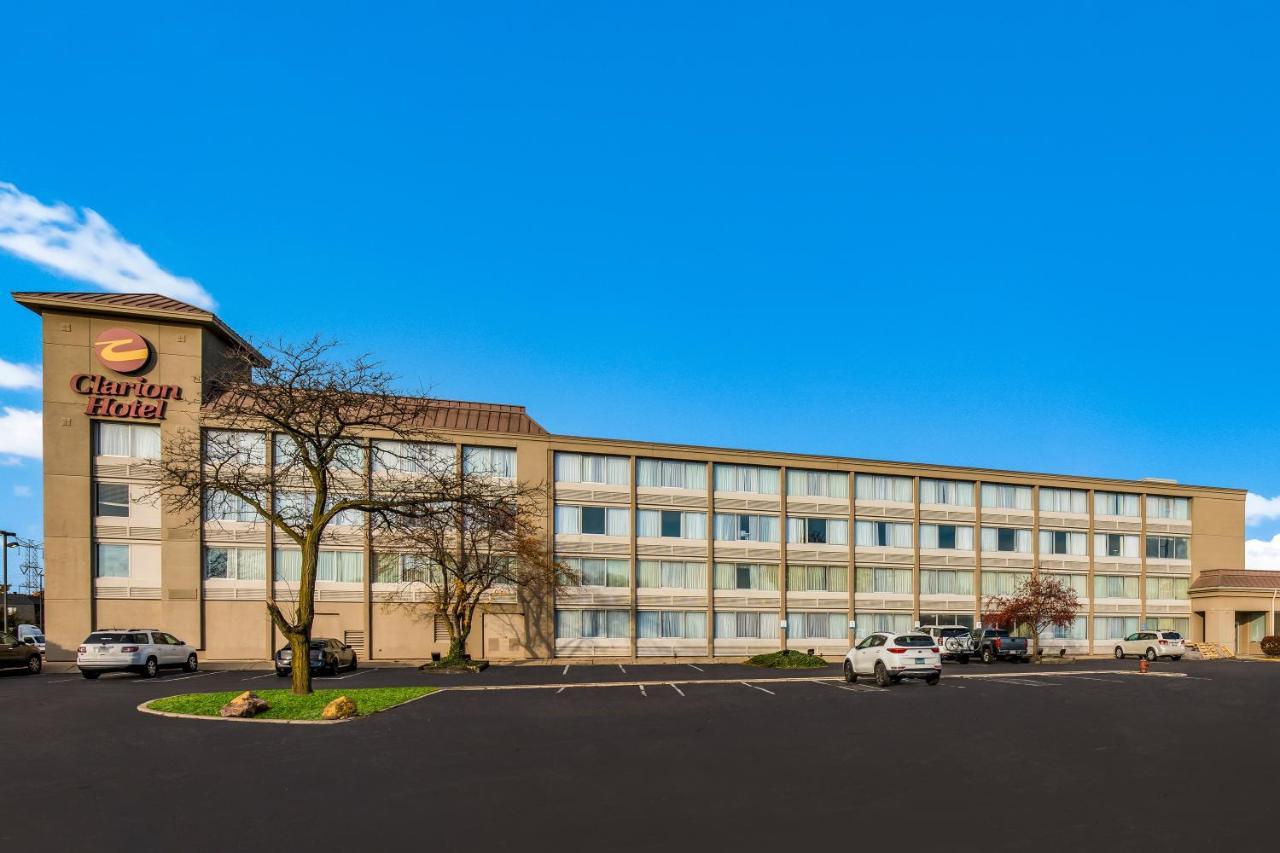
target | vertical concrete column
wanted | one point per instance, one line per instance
(915, 547)
(711, 558)
(269, 544)
(370, 566)
(977, 552)
(1088, 584)
(782, 555)
(1035, 531)
(635, 557)
(853, 551)
(1142, 565)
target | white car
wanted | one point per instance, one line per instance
(889, 658)
(1152, 645)
(141, 650)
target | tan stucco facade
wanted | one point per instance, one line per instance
(166, 586)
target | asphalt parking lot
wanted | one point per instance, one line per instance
(637, 757)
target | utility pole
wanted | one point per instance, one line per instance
(4, 535)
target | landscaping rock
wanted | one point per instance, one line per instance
(339, 709)
(247, 704)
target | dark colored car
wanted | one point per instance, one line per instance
(16, 654)
(326, 655)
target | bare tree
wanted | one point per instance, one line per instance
(288, 442)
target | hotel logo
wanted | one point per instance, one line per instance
(122, 350)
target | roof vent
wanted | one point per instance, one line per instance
(1166, 480)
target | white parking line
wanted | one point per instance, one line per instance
(698, 668)
(677, 689)
(754, 687)
(855, 688)
(179, 678)
(621, 667)
(561, 690)
(1022, 682)
(565, 671)
(642, 692)
(351, 674)
(252, 677)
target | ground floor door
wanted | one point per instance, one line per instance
(1251, 627)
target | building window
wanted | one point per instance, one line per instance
(593, 624)
(747, 478)
(1079, 584)
(671, 474)
(592, 520)
(1115, 504)
(671, 625)
(1167, 589)
(334, 566)
(964, 620)
(595, 571)
(671, 574)
(873, 623)
(996, 496)
(884, 581)
(818, 531)
(818, 626)
(763, 578)
(112, 561)
(1114, 627)
(1074, 631)
(1115, 545)
(818, 484)
(1178, 509)
(406, 568)
(1167, 548)
(946, 582)
(1115, 586)
(489, 462)
(746, 528)
(1064, 500)
(235, 447)
(137, 441)
(946, 492)
(746, 625)
(592, 468)
(347, 459)
(1011, 539)
(1003, 583)
(671, 524)
(112, 500)
(1063, 542)
(222, 506)
(817, 579)
(883, 534)
(874, 487)
(413, 457)
(243, 564)
(946, 537)
(1181, 624)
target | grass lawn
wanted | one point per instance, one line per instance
(788, 660)
(286, 706)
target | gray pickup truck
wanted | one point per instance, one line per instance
(992, 644)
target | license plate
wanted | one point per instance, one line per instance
(919, 660)
(102, 650)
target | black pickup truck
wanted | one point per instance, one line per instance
(992, 644)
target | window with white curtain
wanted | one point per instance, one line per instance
(1168, 548)
(817, 484)
(671, 574)
(671, 524)
(1168, 589)
(1181, 624)
(489, 462)
(593, 624)
(245, 564)
(946, 537)
(883, 581)
(1115, 545)
(1064, 500)
(831, 625)
(875, 487)
(946, 492)
(406, 568)
(592, 520)
(817, 579)
(671, 624)
(874, 623)
(883, 534)
(592, 468)
(1003, 583)
(1069, 542)
(1178, 509)
(1000, 496)
(239, 447)
(747, 478)
(964, 619)
(332, 566)
(818, 531)
(597, 571)
(946, 582)
(222, 506)
(1012, 539)
(112, 561)
(347, 459)
(1114, 627)
(1115, 586)
(412, 457)
(671, 474)
(746, 625)
(1079, 584)
(1074, 631)
(746, 528)
(1115, 504)
(762, 577)
(137, 441)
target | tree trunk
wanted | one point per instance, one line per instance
(459, 630)
(300, 644)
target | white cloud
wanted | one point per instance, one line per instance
(1262, 553)
(20, 432)
(1258, 509)
(18, 375)
(86, 247)
(22, 491)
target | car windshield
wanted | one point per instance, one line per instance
(319, 644)
(914, 640)
(114, 637)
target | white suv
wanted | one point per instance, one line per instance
(951, 640)
(1152, 645)
(893, 657)
(141, 650)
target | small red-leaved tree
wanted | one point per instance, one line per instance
(1038, 604)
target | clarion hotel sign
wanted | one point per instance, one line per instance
(124, 351)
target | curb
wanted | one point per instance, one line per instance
(172, 715)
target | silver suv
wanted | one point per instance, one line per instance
(140, 650)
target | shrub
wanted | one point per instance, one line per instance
(1271, 646)
(787, 659)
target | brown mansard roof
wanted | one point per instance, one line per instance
(1236, 579)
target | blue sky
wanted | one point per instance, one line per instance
(1028, 236)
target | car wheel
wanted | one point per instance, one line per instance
(150, 668)
(34, 665)
(282, 673)
(933, 680)
(1151, 655)
(988, 655)
(89, 675)
(192, 664)
(334, 669)
(353, 663)
(882, 676)
(1119, 653)
(849, 675)
(1176, 658)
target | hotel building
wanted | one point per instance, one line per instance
(682, 550)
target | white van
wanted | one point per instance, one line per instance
(34, 632)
